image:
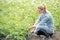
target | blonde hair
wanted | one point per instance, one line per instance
(42, 6)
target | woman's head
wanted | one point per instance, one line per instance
(41, 8)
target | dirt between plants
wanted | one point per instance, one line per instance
(56, 36)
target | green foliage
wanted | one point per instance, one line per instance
(16, 16)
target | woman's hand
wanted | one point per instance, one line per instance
(32, 27)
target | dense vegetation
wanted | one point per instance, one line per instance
(17, 15)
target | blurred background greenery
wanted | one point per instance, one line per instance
(17, 15)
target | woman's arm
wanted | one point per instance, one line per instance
(35, 24)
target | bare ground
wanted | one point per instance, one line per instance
(56, 36)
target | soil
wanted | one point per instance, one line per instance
(56, 36)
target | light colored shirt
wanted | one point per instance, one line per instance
(46, 21)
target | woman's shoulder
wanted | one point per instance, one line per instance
(47, 14)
